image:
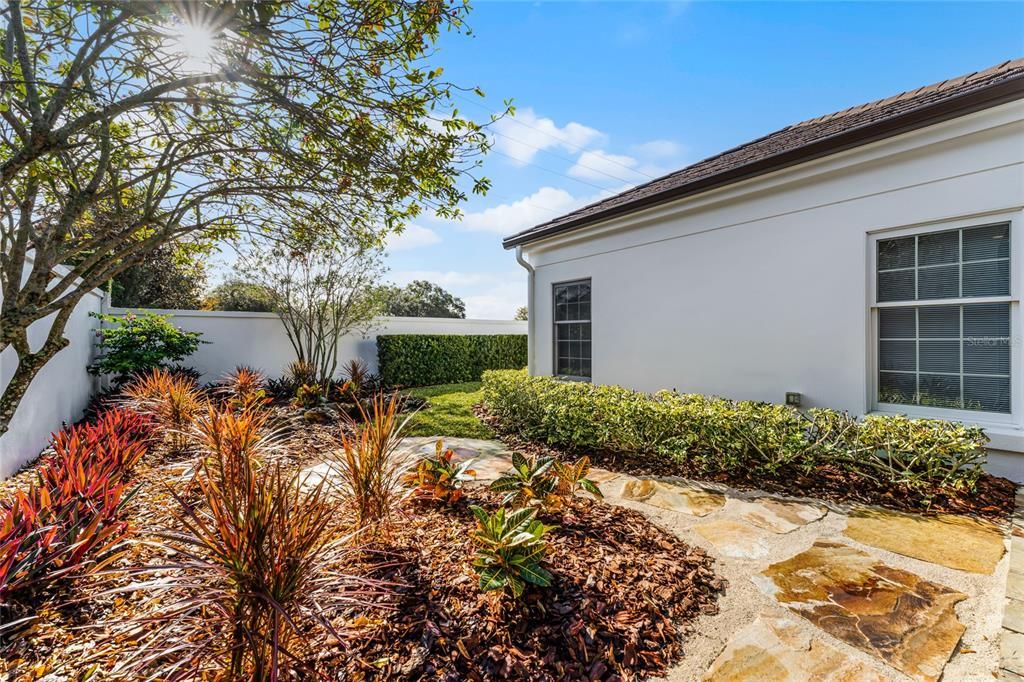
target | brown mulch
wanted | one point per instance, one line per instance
(992, 497)
(623, 596)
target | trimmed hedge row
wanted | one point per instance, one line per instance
(717, 434)
(428, 359)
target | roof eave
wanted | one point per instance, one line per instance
(983, 98)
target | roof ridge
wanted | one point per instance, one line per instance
(795, 143)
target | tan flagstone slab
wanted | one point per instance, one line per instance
(893, 614)
(675, 496)
(776, 649)
(958, 542)
(734, 538)
(1011, 651)
(491, 468)
(601, 476)
(1013, 615)
(779, 516)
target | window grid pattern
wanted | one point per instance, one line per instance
(572, 329)
(952, 356)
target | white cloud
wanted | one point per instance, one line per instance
(488, 295)
(600, 165)
(412, 237)
(539, 207)
(523, 136)
(658, 149)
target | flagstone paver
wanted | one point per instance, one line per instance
(893, 614)
(734, 538)
(679, 496)
(779, 516)
(959, 542)
(776, 649)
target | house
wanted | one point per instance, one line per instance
(869, 260)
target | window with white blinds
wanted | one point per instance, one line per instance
(937, 347)
(572, 329)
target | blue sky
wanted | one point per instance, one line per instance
(611, 94)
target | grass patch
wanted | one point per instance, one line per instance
(448, 412)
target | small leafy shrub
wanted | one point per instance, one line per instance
(573, 477)
(171, 401)
(70, 518)
(916, 452)
(440, 478)
(253, 579)
(139, 343)
(308, 396)
(244, 388)
(529, 480)
(369, 473)
(510, 550)
(721, 435)
(430, 359)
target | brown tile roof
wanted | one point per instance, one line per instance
(801, 142)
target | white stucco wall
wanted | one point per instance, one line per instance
(258, 339)
(58, 394)
(764, 287)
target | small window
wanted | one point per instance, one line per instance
(952, 353)
(572, 329)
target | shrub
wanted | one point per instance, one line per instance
(308, 396)
(440, 478)
(138, 343)
(244, 388)
(720, 435)
(510, 550)
(369, 472)
(70, 517)
(429, 359)
(253, 578)
(529, 479)
(171, 401)
(572, 478)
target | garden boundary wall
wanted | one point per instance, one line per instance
(59, 393)
(258, 339)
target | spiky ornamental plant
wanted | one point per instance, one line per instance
(171, 400)
(253, 577)
(510, 550)
(244, 388)
(369, 471)
(529, 480)
(439, 477)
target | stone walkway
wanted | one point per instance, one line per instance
(819, 591)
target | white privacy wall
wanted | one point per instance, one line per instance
(259, 340)
(58, 394)
(763, 287)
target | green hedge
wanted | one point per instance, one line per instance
(428, 359)
(716, 434)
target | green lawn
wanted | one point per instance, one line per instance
(448, 412)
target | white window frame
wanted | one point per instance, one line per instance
(555, 323)
(997, 419)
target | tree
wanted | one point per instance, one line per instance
(127, 125)
(237, 294)
(320, 294)
(421, 299)
(522, 313)
(167, 278)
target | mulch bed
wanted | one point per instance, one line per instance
(992, 498)
(623, 595)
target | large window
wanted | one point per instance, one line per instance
(943, 302)
(572, 329)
